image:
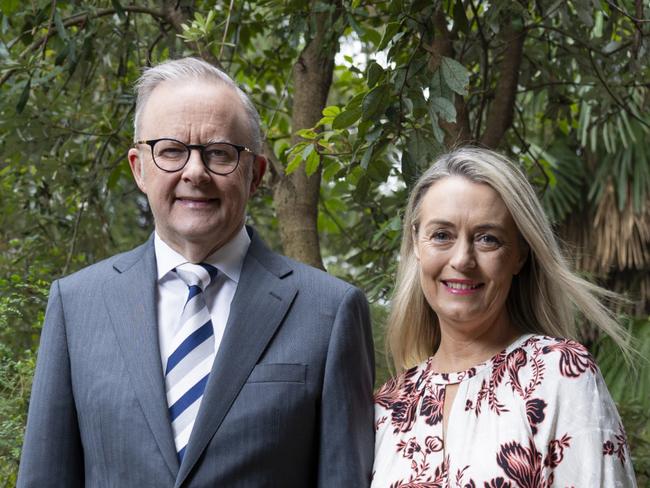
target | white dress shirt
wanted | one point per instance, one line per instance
(172, 291)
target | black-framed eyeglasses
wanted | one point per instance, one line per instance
(170, 155)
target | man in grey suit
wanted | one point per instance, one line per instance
(201, 358)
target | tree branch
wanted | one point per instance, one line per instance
(485, 68)
(225, 29)
(501, 110)
(612, 94)
(49, 25)
(78, 19)
(459, 131)
(639, 12)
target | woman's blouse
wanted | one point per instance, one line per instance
(536, 415)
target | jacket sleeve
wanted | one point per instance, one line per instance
(52, 454)
(346, 441)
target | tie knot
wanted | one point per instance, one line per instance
(196, 274)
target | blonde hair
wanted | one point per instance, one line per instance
(546, 297)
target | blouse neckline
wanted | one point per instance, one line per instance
(460, 376)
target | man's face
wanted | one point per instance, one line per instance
(193, 207)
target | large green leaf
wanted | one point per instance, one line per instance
(456, 76)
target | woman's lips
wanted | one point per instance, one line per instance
(462, 287)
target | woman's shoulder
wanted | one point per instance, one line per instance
(566, 357)
(549, 367)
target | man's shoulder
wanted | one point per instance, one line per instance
(306, 272)
(106, 268)
(305, 277)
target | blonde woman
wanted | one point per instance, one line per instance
(492, 389)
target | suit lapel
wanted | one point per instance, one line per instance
(131, 302)
(260, 303)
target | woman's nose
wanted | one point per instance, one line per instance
(463, 255)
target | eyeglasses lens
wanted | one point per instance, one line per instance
(172, 155)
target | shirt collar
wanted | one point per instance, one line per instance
(228, 259)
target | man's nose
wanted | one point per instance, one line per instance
(195, 169)
(463, 255)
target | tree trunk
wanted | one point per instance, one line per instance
(502, 108)
(296, 195)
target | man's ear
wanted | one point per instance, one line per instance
(136, 168)
(259, 168)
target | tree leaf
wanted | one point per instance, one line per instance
(435, 127)
(24, 96)
(374, 73)
(460, 18)
(294, 164)
(312, 162)
(9, 6)
(361, 191)
(389, 33)
(456, 76)
(379, 169)
(443, 107)
(372, 36)
(331, 111)
(376, 101)
(60, 28)
(346, 118)
(307, 134)
(367, 155)
(118, 8)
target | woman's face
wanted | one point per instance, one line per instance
(469, 248)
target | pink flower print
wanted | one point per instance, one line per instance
(516, 361)
(556, 451)
(535, 413)
(497, 483)
(617, 446)
(398, 396)
(521, 464)
(409, 448)
(574, 358)
(433, 443)
(432, 405)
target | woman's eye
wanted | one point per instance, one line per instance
(488, 240)
(440, 236)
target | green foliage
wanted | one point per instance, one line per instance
(630, 388)
(16, 373)
(18, 301)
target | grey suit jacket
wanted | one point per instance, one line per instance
(288, 402)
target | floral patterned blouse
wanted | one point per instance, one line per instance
(536, 415)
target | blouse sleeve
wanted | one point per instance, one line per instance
(586, 445)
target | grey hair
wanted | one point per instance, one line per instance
(546, 297)
(192, 68)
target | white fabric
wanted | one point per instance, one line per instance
(535, 415)
(172, 291)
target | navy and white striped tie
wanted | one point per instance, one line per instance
(188, 366)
